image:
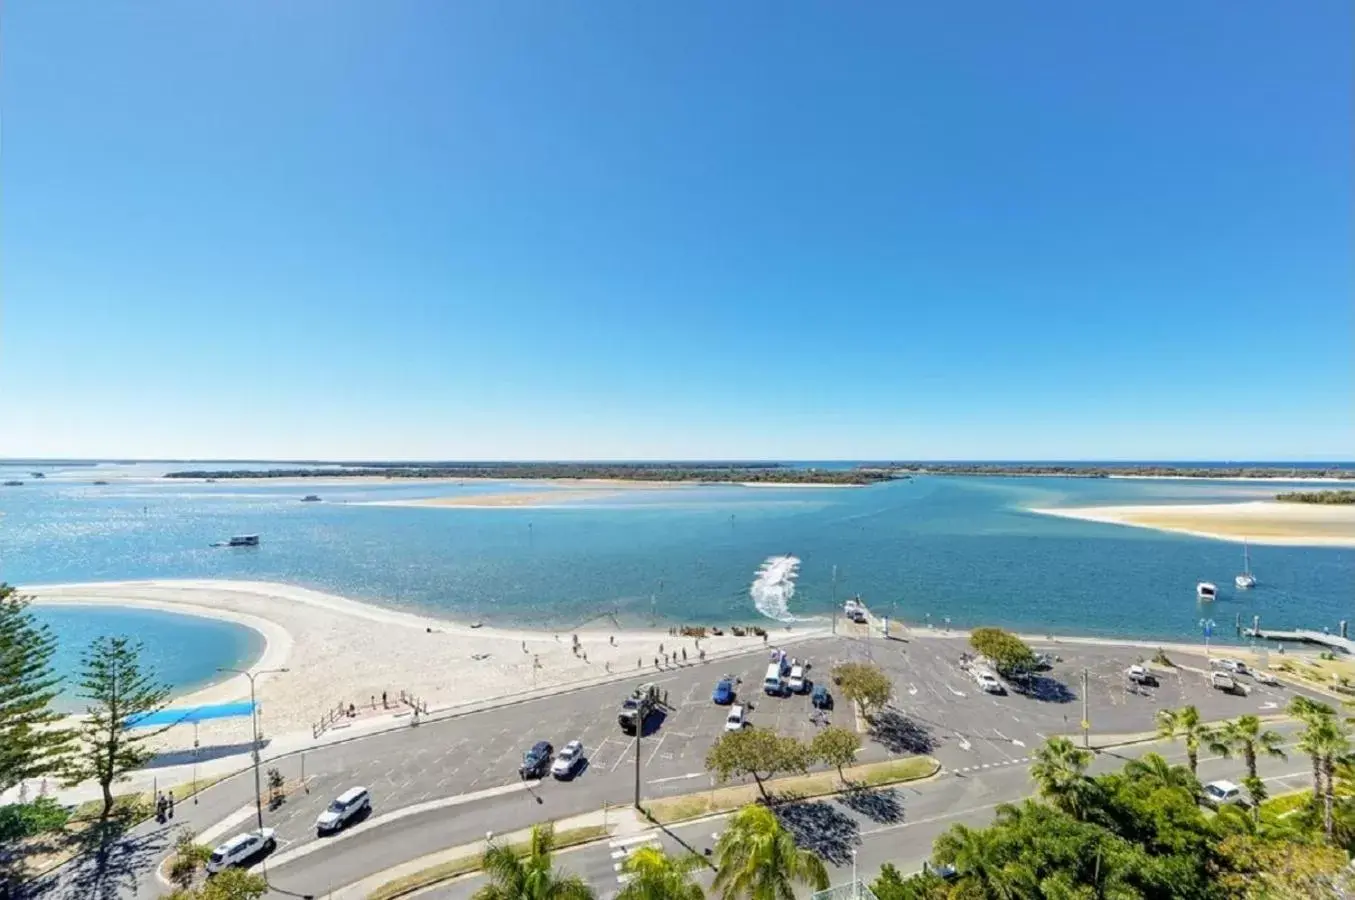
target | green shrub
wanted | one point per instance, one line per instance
(21, 820)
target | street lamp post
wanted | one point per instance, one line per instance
(254, 720)
(1207, 626)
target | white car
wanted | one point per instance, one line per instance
(988, 682)
(1236, 666)
(1141, 675)
(736, 720)
(797, 684)
(240, 849)
(567, 762)
(1219, 793)
(1266, 678)
(344, 807)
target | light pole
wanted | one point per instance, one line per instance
(834, 599)
(254, 719)
(1207, 626)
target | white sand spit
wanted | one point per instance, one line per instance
(1261, 521)
(342, 651)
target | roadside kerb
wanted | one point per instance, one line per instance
(455, 712)
(600, 824)
(824, 783)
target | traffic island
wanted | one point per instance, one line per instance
(672, 810)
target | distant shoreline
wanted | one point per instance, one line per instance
(771, 474)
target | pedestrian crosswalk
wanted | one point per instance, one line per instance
(622, 848)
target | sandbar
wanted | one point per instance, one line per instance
(1260, 521)
(339, 650)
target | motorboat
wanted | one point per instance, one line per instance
(311, 498)
(1246, 579)
(243, 540)
(1206, 590)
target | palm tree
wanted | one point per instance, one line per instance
(1185, 723)
(529, 877)
(757, 859)
(976, 855)
(1244, 735)
(1153, 769)
(1331, 741)
(1060, 769)
(1311, 714)
(657, 876)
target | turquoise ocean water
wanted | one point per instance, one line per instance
(963, 548)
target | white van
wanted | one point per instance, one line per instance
(772, 682)
(347, 805)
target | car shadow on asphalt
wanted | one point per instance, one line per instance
(1044, 689)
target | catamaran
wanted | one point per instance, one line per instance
(1246, 579)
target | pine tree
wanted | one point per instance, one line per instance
(31, 743)
(120, 693)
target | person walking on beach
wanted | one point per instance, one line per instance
(684, 654)
(170, 804)
(384, 704)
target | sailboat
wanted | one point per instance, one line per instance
(1246, 579)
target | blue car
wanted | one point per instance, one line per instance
(821, 698)
(724, 692)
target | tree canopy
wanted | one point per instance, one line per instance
(865, 684)
(31, 744)
(1010, 654)
(757, 752)
(836, 747)
(119, 691)
(1137, 833)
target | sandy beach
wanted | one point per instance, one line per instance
(342, 651)
(1261, 521)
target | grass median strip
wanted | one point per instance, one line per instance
(464, 865)
(799, 787)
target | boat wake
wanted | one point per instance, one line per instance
(774, 586)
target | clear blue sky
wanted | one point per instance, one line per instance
(350, 229)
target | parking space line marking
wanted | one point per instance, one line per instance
(676, 778)
(655, 752)
(622, 758)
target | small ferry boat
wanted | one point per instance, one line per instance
(99, 483)
(14, 484)
(37, 475)
(1246, 579)
(1206, 590)
(311, 498)
(243, 540)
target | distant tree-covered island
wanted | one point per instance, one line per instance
(722, 473)
(1323, 497)
(1105, 471)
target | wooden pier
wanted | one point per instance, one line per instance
(1301, 636)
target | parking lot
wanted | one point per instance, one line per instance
(482, 751)
(942, 711)
(938, 709)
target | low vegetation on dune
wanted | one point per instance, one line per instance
(1326, 498)
(770, 473)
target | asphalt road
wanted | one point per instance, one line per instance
(415, 775)
(895, 825)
